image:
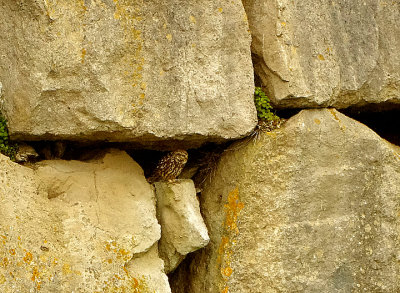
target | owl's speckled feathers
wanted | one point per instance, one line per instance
(170, 166)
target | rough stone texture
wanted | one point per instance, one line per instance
(138, 71)
(326, 53)
(182, 226)
(311, 207)
(72, 226)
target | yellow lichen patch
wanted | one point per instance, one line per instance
(169, 37)
(66, 269)
(334, 114)
(192, 19)
(142, 96)
(28, 257)
(126, 283)
(122, 253)
(116, 252)
(83, 55)
(227, 271)
(337, 119)
(220, 9)
(317, 121)
(35, 274)
(222, 247)
(321, 57)
(232, 210)
(140, 285)
(2, 279)
(4, 262)
(84, 8)
(225, 251)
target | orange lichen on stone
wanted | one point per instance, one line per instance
(28, 258)
(83, 55)
(227, 271)
(5, 262)
(83, 5)
(334, 114)
(232, 210)
(125, 283)
(225, 251)
(337, 118)
(35, 274)
(222, 246)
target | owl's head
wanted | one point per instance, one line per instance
(181, 155)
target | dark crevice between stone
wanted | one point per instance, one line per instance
(383, 120)
(178, 280)
(200, 163)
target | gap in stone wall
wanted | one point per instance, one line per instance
(200, 163)
(385, 123)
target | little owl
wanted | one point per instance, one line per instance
(170, 166)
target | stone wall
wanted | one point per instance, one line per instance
(311, 207)
(326, 53)
(310, 204)
(142, 71)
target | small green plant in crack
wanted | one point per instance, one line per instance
(267, 120)
(6, 147)
(263, 106)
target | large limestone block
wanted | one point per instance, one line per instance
(136, 71)
(311, 207)
(182, 226)
(327, 53)
(73, 226)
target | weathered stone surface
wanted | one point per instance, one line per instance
(72, 226)
(327, 53)
(182, 226)
(311, 207)
(137, 71)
